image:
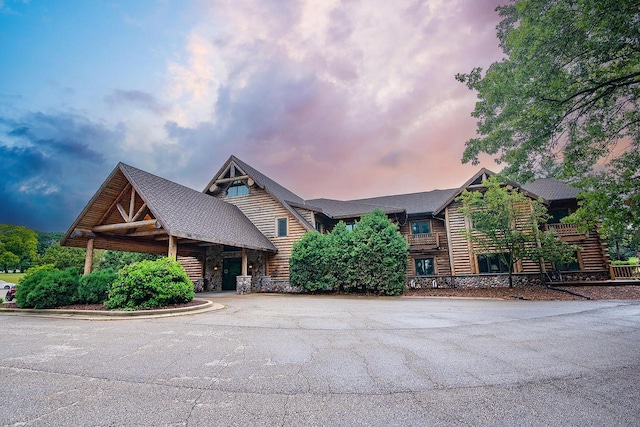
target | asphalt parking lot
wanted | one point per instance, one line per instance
(310, 360)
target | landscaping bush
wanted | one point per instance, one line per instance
(94, 287)
(150, 284)
(309, 263)
(380, 255)
(47, 287)
(372, 258)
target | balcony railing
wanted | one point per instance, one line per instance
(625, 272)
(564, 229)
(428, 239)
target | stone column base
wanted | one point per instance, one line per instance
(243, 285)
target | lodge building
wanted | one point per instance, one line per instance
(237, 234)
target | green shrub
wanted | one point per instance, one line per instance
(372, 258)
(94, 287)
(32, 277)
(150, 284)
(380, 255)
(47, 287)
(309, 263)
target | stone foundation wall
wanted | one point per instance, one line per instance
(585, 276)
(267, 284)
(473, 281)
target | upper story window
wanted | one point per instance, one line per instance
(420, 227)
(350, 227)
(237, 188)
(282, 228)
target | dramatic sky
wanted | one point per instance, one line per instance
(338, 99)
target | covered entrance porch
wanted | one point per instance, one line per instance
(139, 212)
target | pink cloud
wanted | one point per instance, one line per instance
(338, 99)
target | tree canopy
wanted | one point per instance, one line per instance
(568, 91)
(17, 246)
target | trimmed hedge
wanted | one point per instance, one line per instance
(150, 284)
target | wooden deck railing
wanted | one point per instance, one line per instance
(429, 239)
(625, 272)
(564, 229)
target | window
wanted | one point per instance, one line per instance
(319, 227)
(420, 227)
(282, 227)
(425, 267)
(237, 188)
(491, 264)
(557, 215)
(572, 266)
(350, 227)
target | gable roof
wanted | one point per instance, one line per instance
(182, 211)
(551, 189)
(282, 195)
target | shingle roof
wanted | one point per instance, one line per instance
(551, 189)
(188, 213)
(339, 209)
(413, 203)
(277, 190)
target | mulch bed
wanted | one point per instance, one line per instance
(101, 307)
(536, 293)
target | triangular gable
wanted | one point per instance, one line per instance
(115, 216)
(476, 181)
(285, 197)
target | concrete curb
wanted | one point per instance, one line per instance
(114, 315)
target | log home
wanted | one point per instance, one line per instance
(237, 233)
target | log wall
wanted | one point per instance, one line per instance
(263, 210)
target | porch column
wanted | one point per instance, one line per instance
(88, 260)
(173, 248)
(244, 262)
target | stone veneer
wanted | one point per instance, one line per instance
(243, 285)
(473, 281)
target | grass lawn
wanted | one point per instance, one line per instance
(11, 277)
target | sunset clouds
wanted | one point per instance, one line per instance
(339, 99)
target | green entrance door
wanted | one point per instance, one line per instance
(231, 267)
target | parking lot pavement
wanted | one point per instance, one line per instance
(309, 360)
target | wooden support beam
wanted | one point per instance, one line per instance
(123, 213)
(173, 248)
(146, 233)
(80, 233)
(126, 225)
(244, 262)
(113, 205)
(237, 178)
(88, 260)
(132, 203)
(140, 212)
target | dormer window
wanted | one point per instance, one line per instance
(237, 188)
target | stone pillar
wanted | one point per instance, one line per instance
(243, 285)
